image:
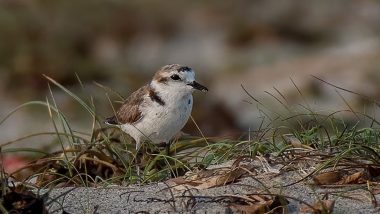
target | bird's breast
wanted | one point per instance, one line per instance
(162, 122)
(178, 109)
(171, 117)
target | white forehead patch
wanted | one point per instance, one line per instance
(188, 76)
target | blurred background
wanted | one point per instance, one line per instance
(263, 45)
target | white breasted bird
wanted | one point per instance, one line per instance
(160, 109)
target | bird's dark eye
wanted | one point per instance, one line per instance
(175, 77)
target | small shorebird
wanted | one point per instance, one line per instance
(159, 110)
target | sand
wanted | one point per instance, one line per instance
(159, 198)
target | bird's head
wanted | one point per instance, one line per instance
(177, 77)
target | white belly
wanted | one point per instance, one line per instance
(161, 123)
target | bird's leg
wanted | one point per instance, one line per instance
(167, 147)
(138, 160)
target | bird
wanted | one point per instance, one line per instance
(158, 111)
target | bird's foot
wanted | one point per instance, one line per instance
(166, 145)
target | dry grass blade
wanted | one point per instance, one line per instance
(108, 89)
(347, 104)
(27, 104)
(71, 94)
(343, 89)
(250, 95)
(200, 131)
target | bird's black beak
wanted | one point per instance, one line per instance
(198, 86)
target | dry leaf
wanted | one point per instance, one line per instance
(181, 181)
(339, 178)
(323, 206)
(328, 177)
(207, 178)
(295, 142)
(292, 140)
(257, 203)
(223, 179)
(356, 178)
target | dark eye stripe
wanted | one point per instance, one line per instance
(184, 69)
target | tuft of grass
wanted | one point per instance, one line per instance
(105, 155)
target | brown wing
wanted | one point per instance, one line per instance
(130, 112)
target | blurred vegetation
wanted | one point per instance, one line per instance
(57, 38)
(121, 43)
(97, 38)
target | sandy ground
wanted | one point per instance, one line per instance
(159, 198)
